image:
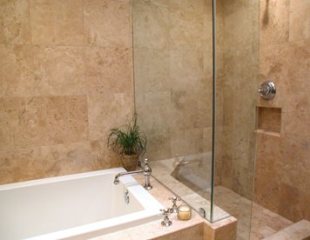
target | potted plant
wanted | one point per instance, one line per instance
(129, 142)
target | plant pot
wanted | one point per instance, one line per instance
(130, 162)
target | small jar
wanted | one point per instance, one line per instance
(184, 212)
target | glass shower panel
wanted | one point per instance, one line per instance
(172, 42)
(237, 68)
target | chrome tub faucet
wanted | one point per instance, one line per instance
(146, 170)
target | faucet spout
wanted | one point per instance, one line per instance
(146, 170)
(116, 178)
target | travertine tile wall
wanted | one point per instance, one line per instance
(173, 71)
(283, 160)
(281, 53)
(65, 80)
(235, 137)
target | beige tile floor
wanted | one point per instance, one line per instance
(297, 231)
(254, 221)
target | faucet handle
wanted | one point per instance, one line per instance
(174, 199)
(146, 167)
(174, 208)
(142, 162)
(166, 222)
(165, 211)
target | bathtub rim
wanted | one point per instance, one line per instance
(55, 179)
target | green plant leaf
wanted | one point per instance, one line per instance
(127, 141)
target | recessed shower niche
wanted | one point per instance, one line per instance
(269, 119)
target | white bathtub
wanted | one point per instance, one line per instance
(76, 206)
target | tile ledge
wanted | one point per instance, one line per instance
(269, 133)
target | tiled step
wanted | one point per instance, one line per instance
(296, 231)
